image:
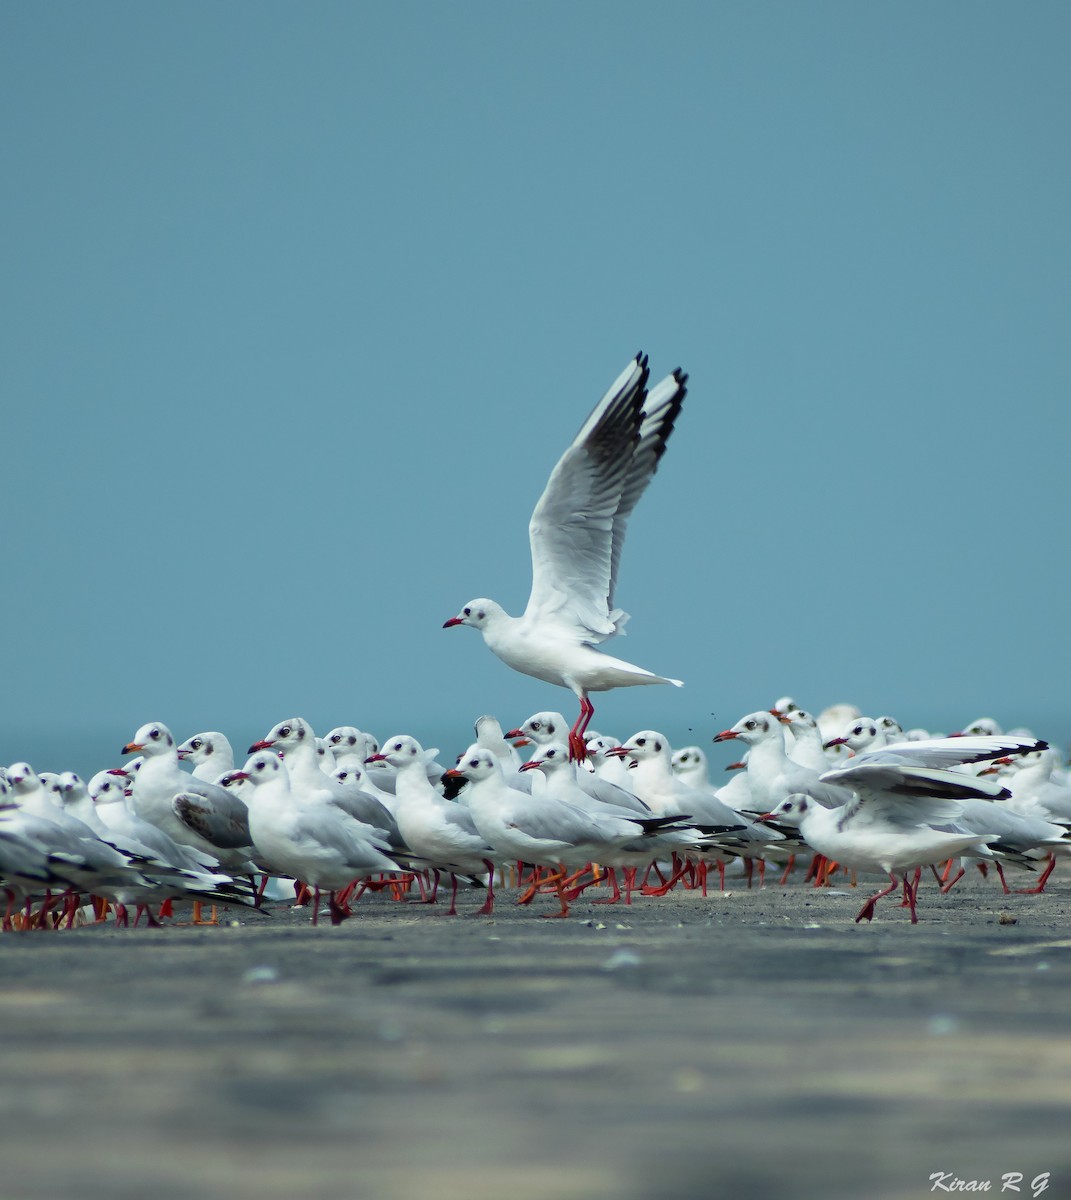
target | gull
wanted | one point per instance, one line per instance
(536, 828)
(295, 741)
(771, 774)
(546, 729)
(210, 753)
(191, 811)
(315, 841)
(576, 534)
(439, 831)
(804, 744)
(660, 836)
(879, 831)
(728, 831)
(351, 746)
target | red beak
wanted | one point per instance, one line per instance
(265, 745)
(453, 621)
(133, 748)
(841, 741)
(376, 758)
(726, 735)
(736, 766)
(520, 743)
(513, 733)
(618, 751)
(455, 774)
(532, 765)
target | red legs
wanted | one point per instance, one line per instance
(489, 904)
(866, 913)
(316, 905)
(338, 913)
(558, 887)
(529, 893)
(943, 878)
(651, 866)
(616, 887)
(452, 910)
(167, 909)
(424, 897)
(1039, 887)
(680, 868)
(911, 892)
(630, 883)
(816, 870)
(198, 919)
(11, 906)
(947, 887)
(790, 866)
(1000, 872)
(749, 866)
(578, 750)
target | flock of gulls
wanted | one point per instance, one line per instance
(306, 817)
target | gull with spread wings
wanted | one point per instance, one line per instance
(576, 534)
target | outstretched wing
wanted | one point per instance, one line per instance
(578, 526)
(659, 413)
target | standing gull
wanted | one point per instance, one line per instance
(576, 533)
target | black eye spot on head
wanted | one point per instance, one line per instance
(154, 734)
(658, 745)
(300, 732)
(641, 741)
(285, 731)
(397, 745)
(749, 724)
(335, 738)
(467, 612)
(481, 614)
(536, 726)
(550, 729)
(196, 744)
(260, 766)
(474, 762)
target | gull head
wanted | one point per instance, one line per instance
(791, 811)
(200, 748)
(689, 760)
(287, 735)
(862, 734)
(553, 756)
(106, 788)
(541, 728)
(477, 613)
(399, 751)
(476, 763)
(754, 728)
(348, 739)
(151, 740)
(260, 768)
(644, 746)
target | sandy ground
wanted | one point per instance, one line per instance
(748, 1044)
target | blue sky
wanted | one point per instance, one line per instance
(302, 303)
